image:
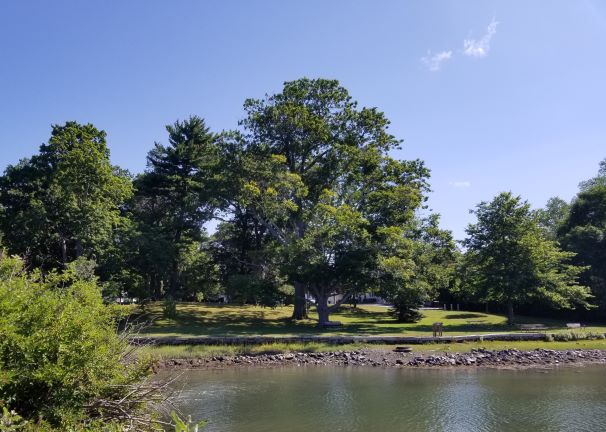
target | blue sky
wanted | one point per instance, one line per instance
(493, 95)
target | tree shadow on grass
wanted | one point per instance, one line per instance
(229, 320)
(465, 315)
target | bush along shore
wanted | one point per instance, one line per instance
(506, 358)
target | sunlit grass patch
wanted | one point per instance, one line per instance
(163, 352)
(199, 320)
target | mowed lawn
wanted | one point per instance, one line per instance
(195, 320)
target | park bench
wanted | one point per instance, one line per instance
(475, 322)
(573, 325)
(532, 327)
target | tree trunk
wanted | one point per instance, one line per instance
(156, 288)
(79, 248)
(323, 310)
(300, 307)
(510, 312)
(174, 280)
(64, 251)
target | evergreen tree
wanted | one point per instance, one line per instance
(175, 197)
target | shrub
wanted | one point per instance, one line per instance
(11, 421)
(169, 308)
(576, 336)
(187, 425)
(59, 348)
(405, 305)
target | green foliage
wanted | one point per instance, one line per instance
(314, 170)
(552, 217)
(598, 180)
(59, 348)
(584, 233)
(10, 421)
(576, 336)
(174, 198)
(422, 264)
(65, 201)
(249, 262)
(199, 273)
(187, 425)
(169, 308)
(511, 262)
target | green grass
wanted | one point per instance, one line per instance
(520, 345)
(195, 320)
(164, 352)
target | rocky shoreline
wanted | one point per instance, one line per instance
(508, 358)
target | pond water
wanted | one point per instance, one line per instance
(385, 400)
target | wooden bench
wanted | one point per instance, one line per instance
(532, 327)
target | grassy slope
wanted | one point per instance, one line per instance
(228, 320)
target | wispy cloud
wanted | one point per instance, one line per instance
(480, 47)
(461, 184)
(434, 62)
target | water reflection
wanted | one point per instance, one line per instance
(369, 399)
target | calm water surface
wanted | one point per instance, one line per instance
(385, 400)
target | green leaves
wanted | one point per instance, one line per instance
(58, 344)
(65, 201)
(584, 233)
(188, 425)
(513, 262)
(315, 172)
(177, 194)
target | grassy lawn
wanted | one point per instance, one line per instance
(195, 320)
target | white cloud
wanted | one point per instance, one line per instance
(461, 184)
(479, 48)
(434, 63)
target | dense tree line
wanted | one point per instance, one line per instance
(310, 204)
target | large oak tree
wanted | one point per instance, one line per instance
(315, 170)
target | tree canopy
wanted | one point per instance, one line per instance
(173, 200)
(513, 262)
(313, 207)
(65, 201)
(584, 233)
(316, 173)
